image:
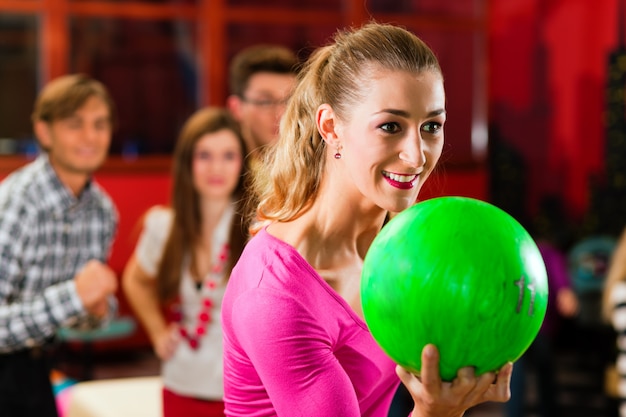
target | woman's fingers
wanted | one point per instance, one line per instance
(465, 378)
(490, 386)
(467, 390)
(429, 375)
(502, 389)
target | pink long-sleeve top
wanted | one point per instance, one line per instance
(292, 346)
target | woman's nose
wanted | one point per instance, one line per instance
(412, 151)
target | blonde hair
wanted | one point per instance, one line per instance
(289, 177)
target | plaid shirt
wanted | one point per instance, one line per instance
(46, 236)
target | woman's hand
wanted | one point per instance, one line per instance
(435, 398)
(166, 343)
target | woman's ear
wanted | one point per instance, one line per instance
(327, 124)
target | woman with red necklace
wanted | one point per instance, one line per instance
(176, 277)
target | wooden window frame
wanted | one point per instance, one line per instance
(212, 18)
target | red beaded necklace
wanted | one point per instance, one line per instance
(204, 315)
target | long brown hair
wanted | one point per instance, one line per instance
(185, 201)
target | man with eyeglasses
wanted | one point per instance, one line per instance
(262, 78)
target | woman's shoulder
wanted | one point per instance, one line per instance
(265, 245)
(158, 216)
(269, 262)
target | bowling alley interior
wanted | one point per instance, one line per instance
(536, 125)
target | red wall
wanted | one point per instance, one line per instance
(133, 194)
(547, 80)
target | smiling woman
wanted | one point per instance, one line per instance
(361, 134)
(393, 135)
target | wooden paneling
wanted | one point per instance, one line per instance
(149, 164)
(218, 27)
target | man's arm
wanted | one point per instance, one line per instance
(25, 324)
(29, 321)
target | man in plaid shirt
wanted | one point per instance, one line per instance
(56, 230)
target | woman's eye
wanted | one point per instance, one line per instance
(431, 127)
(230, 156)
(204, 156)
(390, 127)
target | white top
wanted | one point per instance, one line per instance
(196, 373)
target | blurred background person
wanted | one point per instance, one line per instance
(56, 230)
(176, 277)
(261, 79)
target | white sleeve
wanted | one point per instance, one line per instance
(156, 230)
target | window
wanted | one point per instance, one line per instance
(18, 81)
(162, 59)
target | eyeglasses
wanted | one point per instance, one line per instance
(266, 103)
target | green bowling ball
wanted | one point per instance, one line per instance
(459, 273)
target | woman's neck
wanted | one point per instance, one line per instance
(327, 235)
(211, 211)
